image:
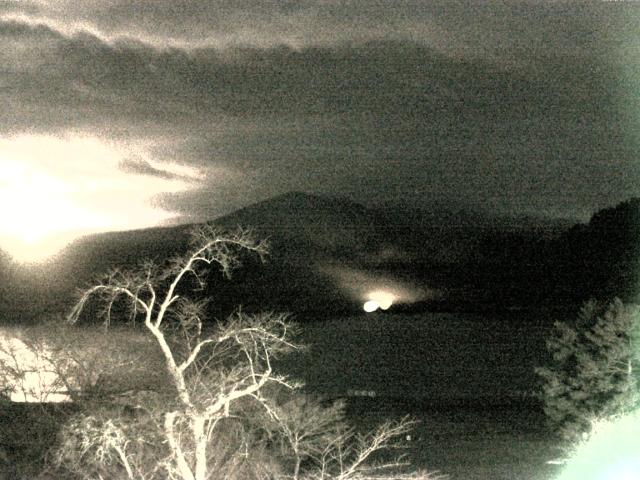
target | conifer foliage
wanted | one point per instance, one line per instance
(594, 368)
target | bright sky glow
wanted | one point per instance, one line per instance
(611, 453)
(53, 190)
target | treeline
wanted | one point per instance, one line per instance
(600, 259)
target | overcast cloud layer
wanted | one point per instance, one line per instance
(513, 106)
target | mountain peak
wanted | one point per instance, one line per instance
(312, 201)
(307, 219)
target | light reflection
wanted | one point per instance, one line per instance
(378, 299)
(371, 306)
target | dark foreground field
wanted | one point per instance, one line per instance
(27, 430)
(454, 372)
(470, 443)
(468, 378)
(465, 443)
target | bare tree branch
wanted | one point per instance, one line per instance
(213, 371)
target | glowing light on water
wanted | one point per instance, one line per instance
(383, 298)
(371, 306)
(378, 299)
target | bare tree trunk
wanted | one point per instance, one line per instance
(125, 462)
(174, 443)
(176, 375)
(200, 439)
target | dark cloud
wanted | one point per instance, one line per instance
(143, 167)
(520, 105)
(499, 29)
(223, 23)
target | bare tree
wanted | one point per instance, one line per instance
(314, 433)
(205, 382)
(215, 372)
(306, 427)
(347, 454)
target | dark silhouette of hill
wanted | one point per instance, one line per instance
(602, 258)
(599, 259)
(477, 260)
(425, 247)
(302, 229)
(309, 225)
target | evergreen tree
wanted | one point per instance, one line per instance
(594, 368)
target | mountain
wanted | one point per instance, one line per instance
(304, 224)
(325, 252)
(303, 231)
(322, 246)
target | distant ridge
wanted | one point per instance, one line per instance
(479, 261)
(319, 224)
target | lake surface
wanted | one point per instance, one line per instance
(438, 358)
(469, 443)
(468, 378)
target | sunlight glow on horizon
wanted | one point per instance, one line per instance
(54, 190)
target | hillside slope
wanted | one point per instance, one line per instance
(473, 261)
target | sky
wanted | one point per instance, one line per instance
(120, 114)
